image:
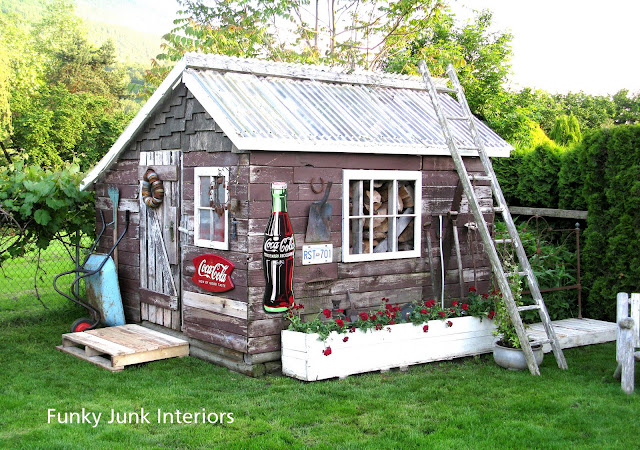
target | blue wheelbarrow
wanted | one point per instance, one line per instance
(103, 302)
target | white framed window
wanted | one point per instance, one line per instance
(211, 214)
(381, 214)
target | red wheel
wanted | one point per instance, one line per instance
(81, 325)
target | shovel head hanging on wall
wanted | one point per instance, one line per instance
(319, 224)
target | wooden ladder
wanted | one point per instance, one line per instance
(466, 119)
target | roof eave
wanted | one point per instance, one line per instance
(165, 88)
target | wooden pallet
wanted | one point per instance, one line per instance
(576, 332)
(113, 348)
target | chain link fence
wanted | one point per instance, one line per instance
(26, 282)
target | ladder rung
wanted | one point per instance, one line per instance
(457, 118)
(491, 209)
(528, 307)
(473, 149)
(480, 178)
(520, 274)
(504, 241)
(445, 90)
(540, 342)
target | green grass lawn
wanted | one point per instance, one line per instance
(468, 403)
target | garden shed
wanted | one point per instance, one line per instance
(219, 131)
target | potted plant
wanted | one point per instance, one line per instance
(507, 351)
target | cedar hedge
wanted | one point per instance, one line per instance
(601, 175)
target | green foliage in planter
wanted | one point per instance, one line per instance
(388, 314)
(611, 166)
(504, 327)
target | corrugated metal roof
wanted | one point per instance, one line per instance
(262, 112)
(265, 105)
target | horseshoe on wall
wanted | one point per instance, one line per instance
(313, 189)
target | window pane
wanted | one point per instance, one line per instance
(380, 234)
(406, 195)
(218, 227)
(406, 230)
(356, 229)
(205, 224)
(205, 186)
(356, 197)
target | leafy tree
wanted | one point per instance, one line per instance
(5, 108)
(482, 60)
(348, 33)
(626, 108)
(591, 111)
(566, 130)
(64, 91)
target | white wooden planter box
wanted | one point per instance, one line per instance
(404, 345)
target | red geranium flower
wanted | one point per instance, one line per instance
(372, 318)
(423, 311)
(340, 311)
(345, 339)
(442, 313)
(393, 322)
(472, 289)
(352, 330)
(464, 306)
(364, 316)
(385, 299)
(378, 326)
(340, 322)
(326, 351)
(327, 313)
(425, 328)
(449, 323)
(491, 314)
(430, 303)
(485, 296)
(454, 303)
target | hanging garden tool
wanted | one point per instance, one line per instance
(319, 224)
(114, 195)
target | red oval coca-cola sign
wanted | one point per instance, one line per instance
(213, 273)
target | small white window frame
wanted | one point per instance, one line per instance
(209, 172)
(370, 175)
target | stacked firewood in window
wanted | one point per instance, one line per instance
(376, 202)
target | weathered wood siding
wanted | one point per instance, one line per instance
(360, 286)
(218, 318)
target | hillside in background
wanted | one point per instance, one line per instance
(135, 26)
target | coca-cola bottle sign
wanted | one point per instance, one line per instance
(213, 273)
(278, 253)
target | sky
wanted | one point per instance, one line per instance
(558, 45)
(569, 45)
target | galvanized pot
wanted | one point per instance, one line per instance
(513, 358)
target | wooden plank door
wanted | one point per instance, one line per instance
(159, 250)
